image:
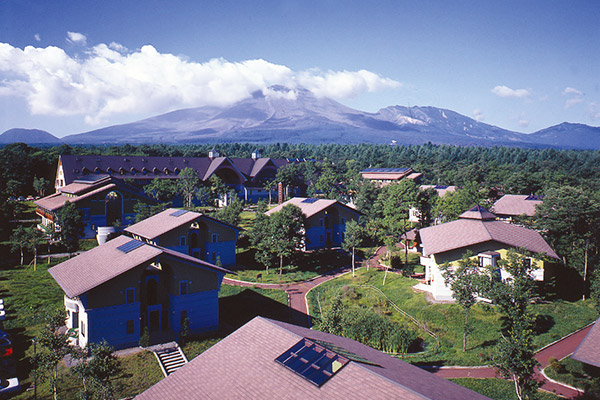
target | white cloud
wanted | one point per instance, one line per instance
(594, 111)
(478, 115)
(76, 38)
(505, 91)
(108, 80)
(37, 37)
(574, 97)
(571, 91)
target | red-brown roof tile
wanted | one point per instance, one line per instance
(243, 366)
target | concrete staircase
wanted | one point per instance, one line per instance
(170, 357)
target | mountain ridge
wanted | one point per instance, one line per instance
(298, 116)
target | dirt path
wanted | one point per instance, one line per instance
(560, 349)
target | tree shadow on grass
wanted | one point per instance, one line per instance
(543, 324)
(236, 310)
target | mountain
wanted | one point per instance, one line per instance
(29, 136)
(567, 135)
(283, 115)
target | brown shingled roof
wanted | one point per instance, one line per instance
(588, 350)
(165, 221)
(57, 200)
(470, 230)
(516, 204)
(309, 208)
(98, 265)
(161, 223)
(105, 262)
(243, 366)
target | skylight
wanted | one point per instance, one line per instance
(130, 246)
(313, 362)
(178, 213)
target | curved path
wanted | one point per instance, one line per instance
(560, 349)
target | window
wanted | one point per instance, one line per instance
(182, 241)
(183, 288)
(214, 256)
(130, 326)
(343, 236)
(82, 329)
(321, 222)
(129, 295)
(182, 317)
(215, 238)
(343, 220)
(321, 238)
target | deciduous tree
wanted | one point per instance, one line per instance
(70, 221)
(353, 236)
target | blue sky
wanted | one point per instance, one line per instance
(72, 66)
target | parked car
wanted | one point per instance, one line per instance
(6, 346)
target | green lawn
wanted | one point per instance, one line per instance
(304, 266)
(498, 389)
(30, 296)
(573, 373)
(556, 319)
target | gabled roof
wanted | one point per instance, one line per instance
(168, 220)
(142, 167)
(440, 189)
(57, 200)
(475, 226)
(479, 213)
(105, 262)
(516, 204)
(243, 365)
(588, 350)
(79, 190)
(162, 222)
(310, 206)
(99, 265)
(219, 162)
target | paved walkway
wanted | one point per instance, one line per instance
(560, 349)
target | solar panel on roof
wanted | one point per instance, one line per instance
(313, 362)
(129, 246)
(178, 213)
(441, 187)
(309, 201)
(385, 170)
(534, 197)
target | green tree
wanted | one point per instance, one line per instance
(286, 229)
(162, 190)
(231, 212)
(218, 188)
(96, 372)
(515, 351)
(53, 347)
(187, 185)
(455, 203)
(353, 236)
(260, 236)
(70, 223)
(425, 203)
(464, 280)
(18, 240)
(569, 218)
(40, 185)
(332, 320)
(35, 238)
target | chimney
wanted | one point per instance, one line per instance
(213, 153)
(280, 192)
(256, 154)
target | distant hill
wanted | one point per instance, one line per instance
(300, 117)
(29, 136)
(567, 135)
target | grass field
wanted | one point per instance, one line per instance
(573, 372)
(556, 319)
(304, 266)
(30, 296)
(497, 389)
